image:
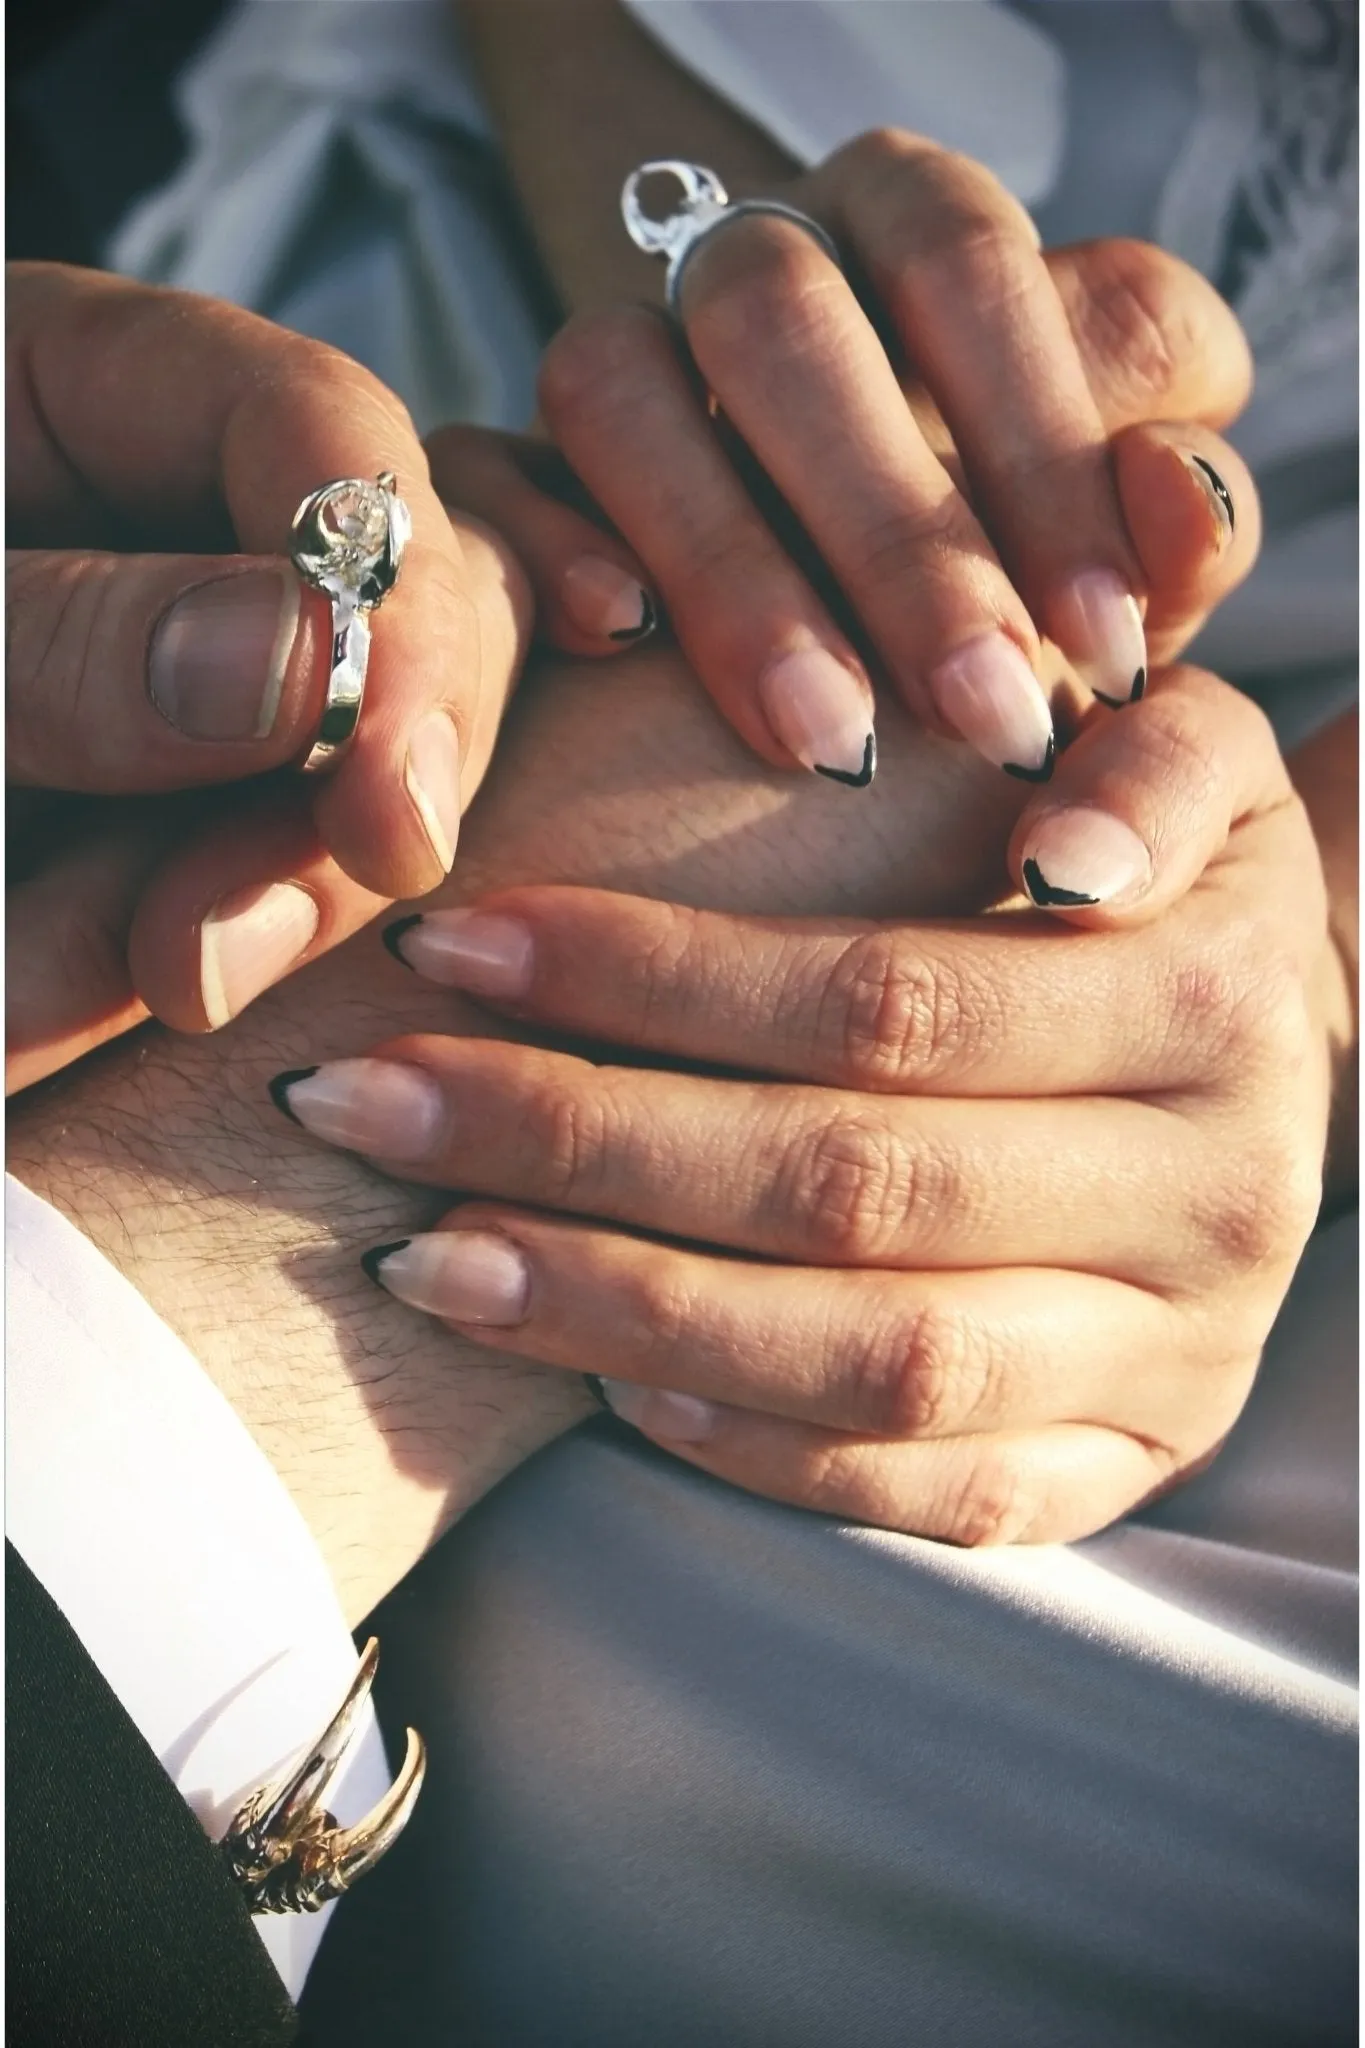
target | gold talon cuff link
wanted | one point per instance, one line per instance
(285, 1851)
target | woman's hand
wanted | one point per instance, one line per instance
(143, 419)
(990, 1251)
(1023, 491)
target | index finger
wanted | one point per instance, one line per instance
(172, 411)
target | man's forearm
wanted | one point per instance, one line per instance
(246, 1237)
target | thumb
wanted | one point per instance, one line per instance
(1141, 803)
(131, 673)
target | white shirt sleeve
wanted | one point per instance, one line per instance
(815, 73)
(140, 1501)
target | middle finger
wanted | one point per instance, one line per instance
(806, 1174)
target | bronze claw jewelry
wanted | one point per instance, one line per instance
(285, 1851)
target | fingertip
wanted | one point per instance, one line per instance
(1079, 858)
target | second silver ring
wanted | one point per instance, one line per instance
(706, 206)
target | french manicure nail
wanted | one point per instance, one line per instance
(1078, 856)
(987, 692)
(1218, 494)
(380, 1107)
(678, 1418)
(248, 941)
(471, 950)
(605, 602)
(433, 779)
(820, 712)
(1099, 628)
(217, 660)
(466, 1276)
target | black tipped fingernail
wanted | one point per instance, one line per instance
(649, 619)
(392, 933)
(373, 1259)
(1218, 491)
(281, 1085)
(1047, 897)
(1043, 772)
(858, 778)
(593, 1382)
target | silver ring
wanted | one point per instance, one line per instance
(705, 207)
(347, 540)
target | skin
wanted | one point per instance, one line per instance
(246, 1237)
(770, 424)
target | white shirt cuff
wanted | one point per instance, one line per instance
(141, 1502)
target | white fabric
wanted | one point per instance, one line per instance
(1273, 134)
(815, 73)
(138, 1499)
(336, 181)
(714, 1770)
(339, 167)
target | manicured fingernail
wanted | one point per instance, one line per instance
(433, 779)
(1218, 494)
(467, 1276)
(470, 950)
(987, 692)
(677, 1418)
(217, 662)
(1079, 856)
(248, 941)
(819, 710)
(606, 602)
(1099, 628)
(380, 1107)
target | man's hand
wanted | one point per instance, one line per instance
(141, 419)
(247, 1238)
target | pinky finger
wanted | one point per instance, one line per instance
(1052, 1485)
(591, 596)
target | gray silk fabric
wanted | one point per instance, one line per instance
(709, 1770)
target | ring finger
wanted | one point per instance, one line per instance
(785, 1172)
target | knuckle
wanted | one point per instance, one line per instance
(59, 608)
(921, 1379)
(662, 1312)
(1264, 1203)
(997, 1500)
(916, 544)
(849, 1187)
(590, 360)
(90, 953)
(895, 1018)
(859, 1194)
(1136, 321)
(1242, 1006)
(755, 279)
(571, 1139)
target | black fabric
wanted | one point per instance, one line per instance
(91, 119)
(123, 1928)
